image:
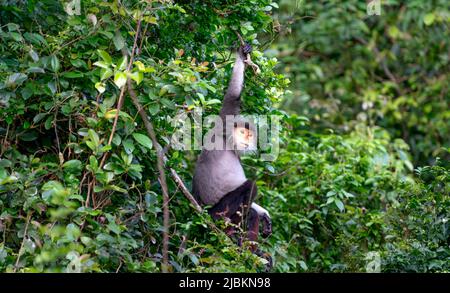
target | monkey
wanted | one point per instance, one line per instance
(219, 180)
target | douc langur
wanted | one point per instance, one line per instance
(219, 180)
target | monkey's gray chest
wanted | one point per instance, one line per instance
(222, 173)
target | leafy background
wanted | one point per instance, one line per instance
(363, 168)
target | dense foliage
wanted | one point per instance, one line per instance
(389, 70)
(342, 193)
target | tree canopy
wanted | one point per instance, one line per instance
(362, 172)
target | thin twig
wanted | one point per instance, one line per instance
(23, 241)
(122, 93)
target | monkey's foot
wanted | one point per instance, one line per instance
(266, 256)
(267, 226)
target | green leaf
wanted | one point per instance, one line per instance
(105, 73)
(128, 145)
(91, 145)
(39, 117)
(16, 79)
(137, 76)
(93, 136)
(118, 41)
(213, 101)
(72, 232)
(33, 55)
(102, 64)
(123, 63)
(100, 86)
(49, 122)
(140, 65)
(105, 56)
(54, 63)
(73, 166)
(153, 109)
(120, 79)
(93, 163)
(16, 36)
(52, 86)
(143, 139)
(72, 74)
(150, 19)
(429, 18)
(339, 204)
(35, 70)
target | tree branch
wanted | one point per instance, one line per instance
(162, 175)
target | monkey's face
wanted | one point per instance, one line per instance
(244, 139)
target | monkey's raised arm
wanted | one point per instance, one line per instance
(231, 102)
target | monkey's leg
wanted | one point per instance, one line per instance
(238, 200)
(265, 219)
(234, 205)
(253, 219)
(252, 225)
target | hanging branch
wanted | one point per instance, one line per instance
(162, 175)
(149, 127)
(185, 191)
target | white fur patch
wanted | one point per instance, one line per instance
(260, 210)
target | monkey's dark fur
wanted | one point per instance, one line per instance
(219, 179)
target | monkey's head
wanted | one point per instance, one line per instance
(244, 137)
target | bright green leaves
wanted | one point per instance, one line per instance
(123, 62)
(140, 66)
(53, 192)
(429, 18)
(120, 79)
(106, 73)
(93, 136)
(246, 27)
(102, 64)
(119, 70)
(137, 76)
(94, 143)
(150, 19)
(100, 86)
(105, 56)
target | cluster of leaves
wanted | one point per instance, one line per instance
(337, 199)
(75, 198)
(390, 69)
(418, 227)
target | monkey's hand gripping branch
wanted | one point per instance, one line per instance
(248, 60)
